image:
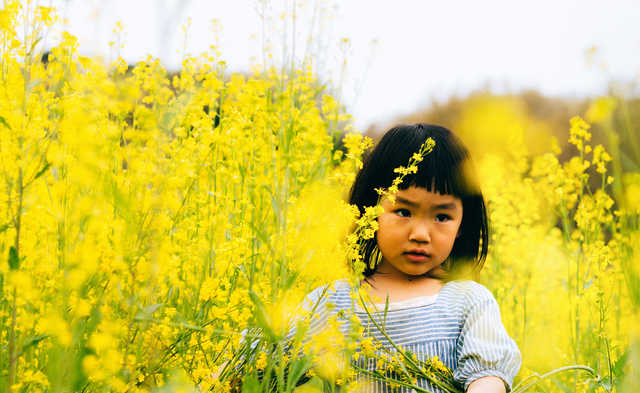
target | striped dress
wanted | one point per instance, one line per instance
(461, 325)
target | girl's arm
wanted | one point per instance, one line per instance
(487, 385)
(484, 348)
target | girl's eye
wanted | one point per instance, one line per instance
(402, 212)
(443, 217)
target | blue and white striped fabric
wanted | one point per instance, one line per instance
(461, 325)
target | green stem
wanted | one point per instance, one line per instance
(13, 359)
(12, 350)
(609, 364)
(387, 379)
(521, 387)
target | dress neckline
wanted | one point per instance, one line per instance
(413, 302)
(417, 301)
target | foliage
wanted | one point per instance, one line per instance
(161, 232)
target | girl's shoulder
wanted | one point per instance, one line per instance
(465, 293)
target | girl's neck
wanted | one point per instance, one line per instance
(397, 289)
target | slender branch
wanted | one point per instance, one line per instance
(386, 379)
(520, 388)
(13, 358)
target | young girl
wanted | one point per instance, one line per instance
(435, 229)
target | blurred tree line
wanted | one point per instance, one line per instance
(489, 122)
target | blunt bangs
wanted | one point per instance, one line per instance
(441, 171)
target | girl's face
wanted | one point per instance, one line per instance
(417, 232)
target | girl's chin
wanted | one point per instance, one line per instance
(436, 272)
(410, 271)
(415, 273)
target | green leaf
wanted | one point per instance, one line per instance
(14, 261)
(152, 308)
(32, 342)
(261, 316)
(251, 384)
(34, 83)
(3, 121)
(296, 372)
(293, 277)
(4, 227)
(618, 368)
(605, 384)
(42, 171)
(146, 313)
(34, 43)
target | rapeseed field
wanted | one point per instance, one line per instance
(159, 232)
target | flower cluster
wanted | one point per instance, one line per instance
(149, 219)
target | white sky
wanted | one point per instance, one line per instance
(425, 49)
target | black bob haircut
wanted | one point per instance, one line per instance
(446, 170)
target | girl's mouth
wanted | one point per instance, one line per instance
(414, 256)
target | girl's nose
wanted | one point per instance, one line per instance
(420, 232)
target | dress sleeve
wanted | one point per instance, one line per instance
(484, 348)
